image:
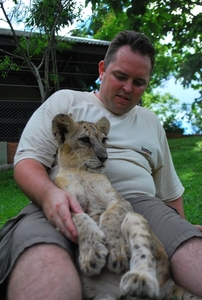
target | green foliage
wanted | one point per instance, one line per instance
(103, 24)
(48, 15)
(166, 108)
(43, 19)
(179, 57)
(7, 64)
(160, 20)
(191, 70)
(176, 32)
(195, 116)
(110, 26)
(173, 126)
(35, 45)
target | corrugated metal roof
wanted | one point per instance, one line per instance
(8, 32)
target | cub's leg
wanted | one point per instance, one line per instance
(110, 224)
(141, 280)
(91, 240)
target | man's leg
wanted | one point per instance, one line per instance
(44, 271)
(186, 265)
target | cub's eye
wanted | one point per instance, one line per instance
(85, 140)
(104, 140)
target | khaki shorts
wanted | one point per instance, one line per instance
(31, 227)
(169, 227)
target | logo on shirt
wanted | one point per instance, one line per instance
(146, 151)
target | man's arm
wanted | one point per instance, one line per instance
(178, 205)
(57, 204)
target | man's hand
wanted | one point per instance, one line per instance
(57, 204)
(58, 209)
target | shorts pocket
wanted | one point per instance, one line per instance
(9, 225)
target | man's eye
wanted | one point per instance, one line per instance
(119, 77)
(138, 83)
(85, 140)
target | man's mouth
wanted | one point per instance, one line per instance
(124, 98)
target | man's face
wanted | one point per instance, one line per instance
(124, 81)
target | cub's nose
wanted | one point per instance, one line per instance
(102, 158)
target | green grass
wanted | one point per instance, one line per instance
(187, 157)
(12, 200)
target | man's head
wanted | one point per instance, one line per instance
(138, 42)
(125, 71)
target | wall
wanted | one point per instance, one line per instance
(7, 152)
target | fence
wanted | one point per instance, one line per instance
(14, 115)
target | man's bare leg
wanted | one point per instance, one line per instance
(186, 266)
(44, 272)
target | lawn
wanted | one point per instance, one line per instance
(12, 200)
(187, 157)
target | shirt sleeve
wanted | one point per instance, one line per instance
(37, 140)
(167, 182)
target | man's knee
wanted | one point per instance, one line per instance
(46, 269)
(187, 249)
(186, 265)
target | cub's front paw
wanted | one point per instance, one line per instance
(91, 241)
(118, 258)
(92, 254)
(140, 284)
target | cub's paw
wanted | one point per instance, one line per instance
(92, 254)
(118, 258)
(139, 284)
(91, 241)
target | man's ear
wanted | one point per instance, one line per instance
(101, 69)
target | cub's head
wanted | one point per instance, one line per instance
(82, 145)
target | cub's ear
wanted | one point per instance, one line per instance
(61, 126)
(103, 125)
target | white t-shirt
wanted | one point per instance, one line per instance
(139, 158)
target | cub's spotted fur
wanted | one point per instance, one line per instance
(115, 244)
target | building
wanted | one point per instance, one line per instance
(19, 91)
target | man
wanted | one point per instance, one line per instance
(38, 260)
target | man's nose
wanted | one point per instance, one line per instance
(128, 86)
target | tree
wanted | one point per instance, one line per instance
(176, 24)
(194, 114)
(44, 19)
(167, 108)
(175, 28)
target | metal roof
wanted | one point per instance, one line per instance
(82, 40)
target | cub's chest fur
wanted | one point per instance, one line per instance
(91, 190)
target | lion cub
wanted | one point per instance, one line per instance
(115, 244)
